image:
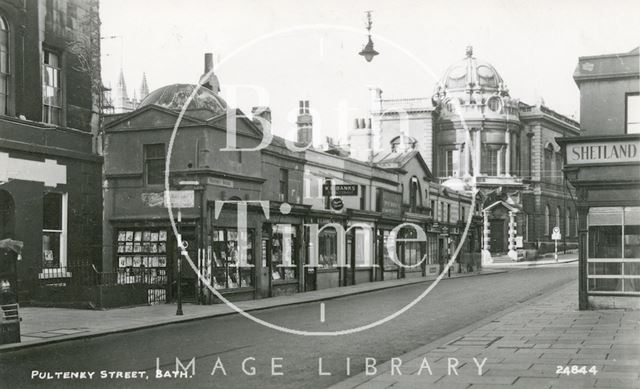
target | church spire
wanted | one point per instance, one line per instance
(144, 88)
(121, 89)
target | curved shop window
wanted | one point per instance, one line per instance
(613, 254)
(226, 250)
(284, 256)
(410, 253)
(327, 249)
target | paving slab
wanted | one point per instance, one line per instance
(543, 351)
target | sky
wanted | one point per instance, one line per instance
(277, 52)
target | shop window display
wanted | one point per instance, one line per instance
(327, 256)
(614, 250)
(283, 249)
(226, 272)
(142, 256)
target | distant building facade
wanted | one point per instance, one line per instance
(471, 132)
(604, 164)
(50, 171)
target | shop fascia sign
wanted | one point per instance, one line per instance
(606, 152)
(340, 190)
(179, 199)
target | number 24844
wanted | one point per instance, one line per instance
(574, 369)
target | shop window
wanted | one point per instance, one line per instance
(614, 250)
(410, 253)
(283, 251)
(632, 114)
(4, 66)
(142, 256)
(226, 270)
(51, 88)
(546, 220)
(284, 185)
(388, 263)
(54, 230)
(154, 163)
(328, 248)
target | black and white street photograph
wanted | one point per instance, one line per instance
(297, 194)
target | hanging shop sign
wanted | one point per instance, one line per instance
(603, 152)
(337, 204)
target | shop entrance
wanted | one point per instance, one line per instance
(189, 277)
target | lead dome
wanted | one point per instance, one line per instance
(175, 96)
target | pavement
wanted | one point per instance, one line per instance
(51, 325)
(542, 343)
(547, 259)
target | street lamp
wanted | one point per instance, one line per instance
(368, 52)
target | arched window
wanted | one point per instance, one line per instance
(567, 222)
(546, 220)
(4, 66)
(415, 199)
(557, 217)
(548, 162)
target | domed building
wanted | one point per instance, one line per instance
(472, 133)
(204, 169)
(175, 96)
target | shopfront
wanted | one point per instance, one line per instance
(604, 171)
(327, 274)
(361, 250)
(282, 245)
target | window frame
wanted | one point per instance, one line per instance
(283, 186)
(60, 88)
(63, 232)
(147, 159)
(626, 112)
(7, 75)
(622, 277)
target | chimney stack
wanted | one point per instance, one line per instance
(305, 124)
(209, 81)
(265, 114)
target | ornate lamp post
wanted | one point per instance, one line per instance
(368, 52)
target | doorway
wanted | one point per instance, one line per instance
(7, 215)
(497, 236)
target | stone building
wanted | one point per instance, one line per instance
(50, 171)
(604, 164)
(472, 132)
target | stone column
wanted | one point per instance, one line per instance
(477, 168)
(486, 245)
(500, 159)
(467, 153)
(507, 157)
(512, 237)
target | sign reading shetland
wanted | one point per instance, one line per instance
(603, 152)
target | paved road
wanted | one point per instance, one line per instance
(452, 305)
